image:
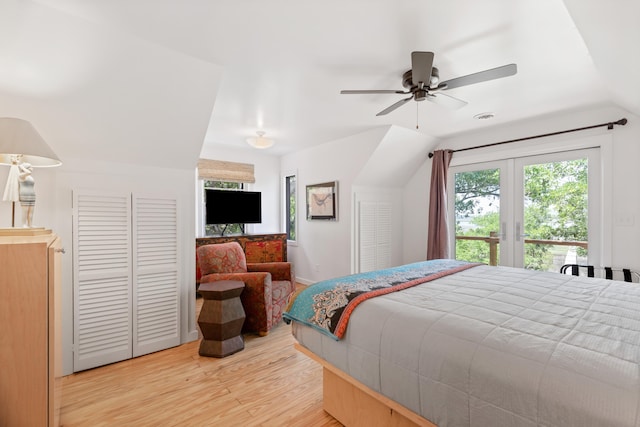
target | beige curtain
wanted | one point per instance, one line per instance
(217, 170)
(438, 238)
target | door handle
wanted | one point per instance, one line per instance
(519, 232)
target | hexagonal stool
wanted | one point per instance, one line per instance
(221, 318)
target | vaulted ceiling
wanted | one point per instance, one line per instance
(151, 81)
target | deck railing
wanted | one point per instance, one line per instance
(493, 240)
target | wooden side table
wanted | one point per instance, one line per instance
(221, 318)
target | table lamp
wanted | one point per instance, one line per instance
(22, 147)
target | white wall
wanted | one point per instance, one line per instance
(267, 174)
(54, 209)
(323, 248)
(622, 191)
(415, 215)
(98, 91)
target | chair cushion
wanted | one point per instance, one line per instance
(222, 258)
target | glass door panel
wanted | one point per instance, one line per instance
(477, 215)
(555, 207)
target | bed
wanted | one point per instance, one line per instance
(473, 345)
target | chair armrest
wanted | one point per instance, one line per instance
(255, 279)
(278, 270)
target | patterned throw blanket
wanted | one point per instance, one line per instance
(327, 305)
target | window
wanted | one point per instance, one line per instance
(290, 207)
(220, 229)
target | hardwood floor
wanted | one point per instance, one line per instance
(268, 383)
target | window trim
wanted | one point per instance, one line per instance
(285, 205)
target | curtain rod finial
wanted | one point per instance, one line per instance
(620, 122)
(430, 155)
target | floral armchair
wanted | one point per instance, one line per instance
(268, 286)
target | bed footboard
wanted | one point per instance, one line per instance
(353, 403)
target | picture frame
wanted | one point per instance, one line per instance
(322, 201)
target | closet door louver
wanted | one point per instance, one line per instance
(126, 289)
(102, 278)
(374, 234)
(156, 321)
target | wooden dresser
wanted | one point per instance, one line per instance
(30, 334)
(256, 247)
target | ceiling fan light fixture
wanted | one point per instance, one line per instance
(260, 142)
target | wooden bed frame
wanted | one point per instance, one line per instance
(353, 403)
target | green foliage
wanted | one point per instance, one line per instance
(223, 184)
(556, 193)
(471, 186)
(477, 250)
(555, 208)
(291, 224)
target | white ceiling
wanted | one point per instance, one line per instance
(279, 65)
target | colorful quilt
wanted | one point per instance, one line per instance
(327, 305)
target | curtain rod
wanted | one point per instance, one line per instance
(609, 126)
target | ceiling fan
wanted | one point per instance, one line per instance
(422, 81)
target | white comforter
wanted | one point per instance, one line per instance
(499, 346)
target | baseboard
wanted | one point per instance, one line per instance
(305, 281)
(191, 336)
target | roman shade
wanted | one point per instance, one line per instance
(217, 170)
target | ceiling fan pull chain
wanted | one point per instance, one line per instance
(417, 106)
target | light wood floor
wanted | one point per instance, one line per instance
(268, 383)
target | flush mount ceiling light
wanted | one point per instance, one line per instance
(260, 142)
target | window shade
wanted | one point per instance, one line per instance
(217, 170)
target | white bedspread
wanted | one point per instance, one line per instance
(498, 346)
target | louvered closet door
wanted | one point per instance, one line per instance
(374, 235)
(102, 278)
(156, 320)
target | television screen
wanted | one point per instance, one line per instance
(233, 207)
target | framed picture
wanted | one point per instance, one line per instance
(322, 201)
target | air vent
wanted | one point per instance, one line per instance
(484, 116)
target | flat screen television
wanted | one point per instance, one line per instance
(233, 207)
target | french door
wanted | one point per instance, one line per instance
(537, 212)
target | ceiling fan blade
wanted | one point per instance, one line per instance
(357, 92)
(482, 76)
(446, 100)
(394, 106)
(421, 64)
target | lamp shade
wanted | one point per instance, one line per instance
(19, 138)
(260, 142)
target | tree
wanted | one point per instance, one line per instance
(555, 207)
(471, 186)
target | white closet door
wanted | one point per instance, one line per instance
(374, 233)
(156, 319)
(102, 278)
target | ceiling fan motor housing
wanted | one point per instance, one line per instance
(407, 80)
(420, 94)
